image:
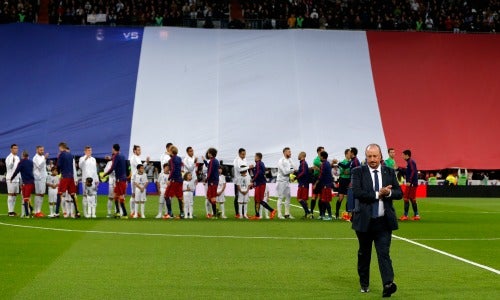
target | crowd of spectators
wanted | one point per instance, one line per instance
(417, 15)
(12, 11)
(136, 12)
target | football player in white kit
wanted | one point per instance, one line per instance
(40, 174)
(88, 165)
(221, 198)
(285, 168)
(140, 183)
(188, 186)
(161, 185)
(239, 161)
(11, 163)
(90, 192)
(111, 187)
(52, 184)
(243, 185)
(135, 160)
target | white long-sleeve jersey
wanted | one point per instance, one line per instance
(11, 163)
(285, 168)
(134, 162)
(39, 167)
(164, 159)
(237, 163)
(89, 168)
(111, 176)
(189, 164)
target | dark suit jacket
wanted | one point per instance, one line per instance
(364, 195)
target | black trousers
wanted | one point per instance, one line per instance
(379, 234)
(236, 208)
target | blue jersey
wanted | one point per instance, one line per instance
(213, 172)
(325, 175)
(65, 164)
(259, 177)
(25, 167)
(411, 172)
(303, 174)
(175, 164)
(119, 165)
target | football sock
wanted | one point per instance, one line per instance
(208, 207)
(266, 206)
(143, 207)
(221, 206)
(337, 208)
(169, 206)
(313, 205)
(85, 207)
(257, 209)
(117, 206)
(214, 209)
(38, 204)
(74, 202)
(186, 208)
(322, 208)
(414, 206)
(132, 205)
(26, 209)
(110, 206)
(407, 207)
(181, 205)
(278, 204)
(240, 209)
(245, 207)
(160, 208)
(9, 204)
(124, 210)
(304, 206)
(328, 208)
(58, 203)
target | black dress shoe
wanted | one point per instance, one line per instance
(389, 289)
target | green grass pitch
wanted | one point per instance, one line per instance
(242, 259)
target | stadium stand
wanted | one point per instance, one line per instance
(417, 15)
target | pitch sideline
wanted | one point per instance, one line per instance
(439, 251)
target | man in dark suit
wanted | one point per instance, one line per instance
(374, 187)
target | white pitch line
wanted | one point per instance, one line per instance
(456, 239)
(179, 235)
(448, 254)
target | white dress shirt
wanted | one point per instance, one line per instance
(379, 176)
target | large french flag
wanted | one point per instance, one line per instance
(436, 94)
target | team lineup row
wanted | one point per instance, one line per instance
(178, 179)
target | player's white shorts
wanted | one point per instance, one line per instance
(52, 195)
(243, 198)
(221, 198)
(40, 186)
(283, 189)
(140, 196)
(12, 187)
(188, 197)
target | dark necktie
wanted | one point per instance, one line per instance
(375, 204)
